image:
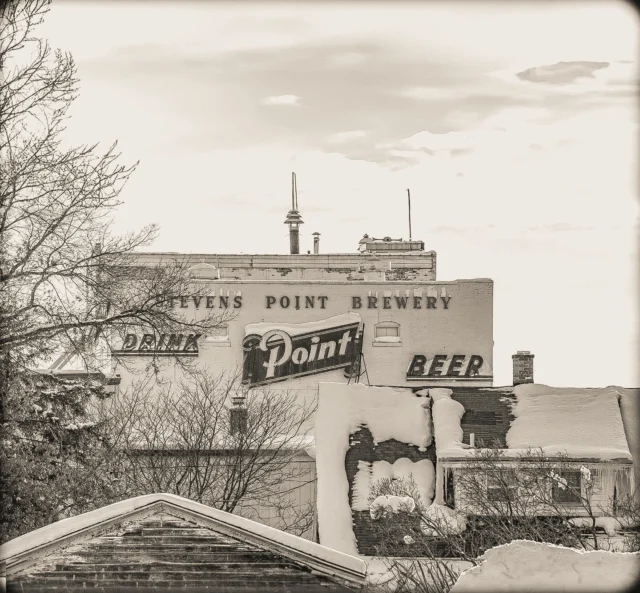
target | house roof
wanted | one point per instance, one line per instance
(48, 541)
(73, 365)
(549, 419)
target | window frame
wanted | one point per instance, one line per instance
(222, 339)
(500, 487)
(381, 335)
(574, 491)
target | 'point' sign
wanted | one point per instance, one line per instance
(278, 354)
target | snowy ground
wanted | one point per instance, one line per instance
(526, 566)
(380, 577)
(531, 566)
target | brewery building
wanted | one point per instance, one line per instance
(400, 366)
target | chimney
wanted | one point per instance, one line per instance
(522, 367)
(294, 220)
(316, 243)
(238, 416)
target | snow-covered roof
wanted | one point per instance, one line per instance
(582, 423)
(73, 363)
(630, 411)
(301, 442)
(389, 413)
(60, 533)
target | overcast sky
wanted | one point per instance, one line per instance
(513, 124)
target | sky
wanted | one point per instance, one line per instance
(513, 124)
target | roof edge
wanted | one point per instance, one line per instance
(328, 561)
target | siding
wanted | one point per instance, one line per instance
(296, 508)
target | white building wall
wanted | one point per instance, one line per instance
(459, 321)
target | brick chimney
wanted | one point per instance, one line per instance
(522, 367)
(238, 415)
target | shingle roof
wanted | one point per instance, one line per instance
(487, 413)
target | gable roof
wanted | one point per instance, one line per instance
(33, 547)
(536, 416)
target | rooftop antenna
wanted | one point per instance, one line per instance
(409, 200)
(294, 220)
(294, 193)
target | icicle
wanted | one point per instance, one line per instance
(361, 486)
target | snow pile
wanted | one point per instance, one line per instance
(421, 472)
(532, 566)
(439, 518)
(611, 525)
(361, 484)
(389, 414)
(296, 329)
(630, 411)
(385, 505)
(576, 422)
(447, 414)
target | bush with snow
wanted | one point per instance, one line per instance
(383, 506)
(441, 520)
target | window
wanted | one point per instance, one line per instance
(501, 486)
(218, 336)
(204, 271)
(566, 487)
(387, 333)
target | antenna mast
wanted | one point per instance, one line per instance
(409, 200)
(294, 192)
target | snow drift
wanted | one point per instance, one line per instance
(447, 414)
(531, 566)
(389, 414)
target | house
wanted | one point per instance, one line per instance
(166, 542)
(451, 440)
(576, 434)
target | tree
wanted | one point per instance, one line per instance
(67, 282)
(65, 278)
(56, 460)
(497, 500)
(208, 438)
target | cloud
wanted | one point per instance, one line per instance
(341, 137)
(282, 100)
(562, 72)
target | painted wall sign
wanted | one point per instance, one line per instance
(274, 353)
(429, 301)
(205, 302)
(444, 366)
(162, 345)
